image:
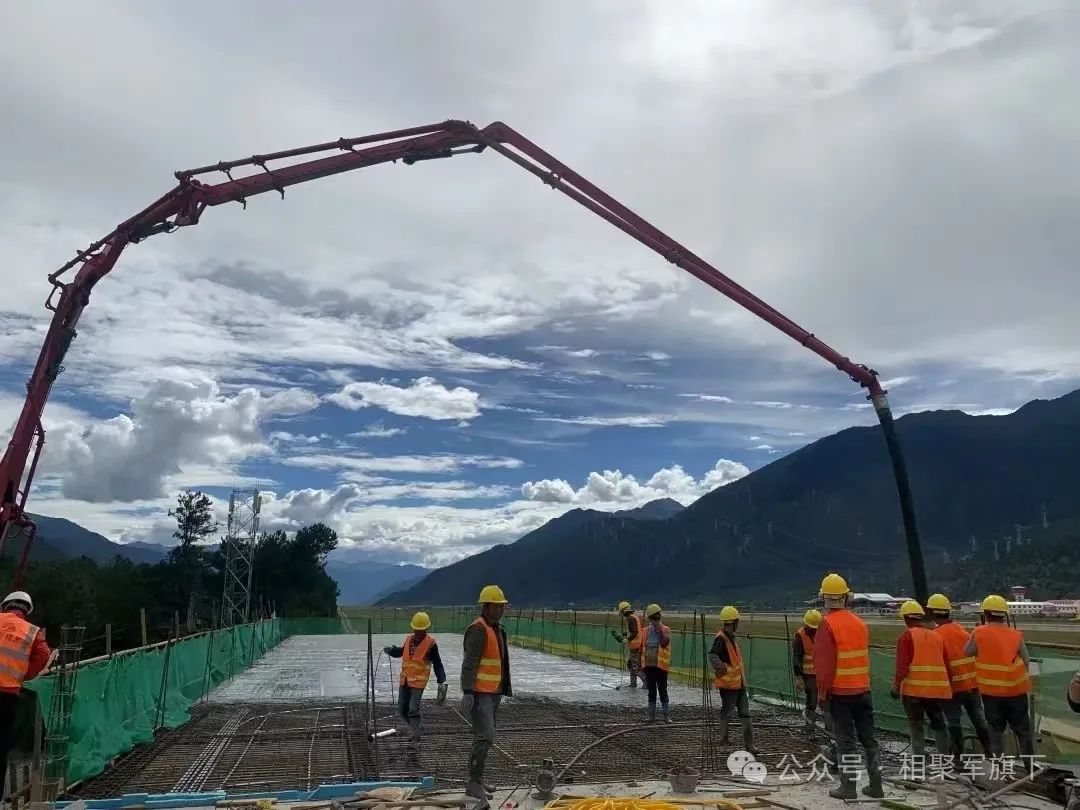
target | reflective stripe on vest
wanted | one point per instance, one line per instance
(634, 641)
(663, 654)
(733, 677)
(489, 674)
(16, 639)
(927, 676)
(999, 669)
(807, 651)
(415, 668)
(961, 664)
(852, 650)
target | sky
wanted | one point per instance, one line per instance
(436, 358)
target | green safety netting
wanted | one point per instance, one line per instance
(122, 700)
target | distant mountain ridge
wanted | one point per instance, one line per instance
(364, 582)
(772, 534)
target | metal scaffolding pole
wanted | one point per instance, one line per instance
(243, 527)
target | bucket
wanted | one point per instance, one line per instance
(684, 780)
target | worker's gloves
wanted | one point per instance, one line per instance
(387, 649)
(615, 634)
(466, 704)
(440, 697)
(721, 669)
(799, 685)
(894, 693)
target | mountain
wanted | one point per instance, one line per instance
(364, 582)
(660, 509)
(60, 538)
(771, 535)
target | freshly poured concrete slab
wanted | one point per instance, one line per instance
(330, 667)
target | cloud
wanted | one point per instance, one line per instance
(608, 421)
(434, 464)
(708, 398)
(377, 431)
(424, 397)
(613, 486)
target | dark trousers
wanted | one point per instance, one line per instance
(732, 702)
(8, 702)
(409, 708)
(484, 717)
(853, 717)
(919, 709)
(1011, 712)
(656, 682)
(810, 693)
(971, 703)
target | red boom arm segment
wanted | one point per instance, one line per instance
(185, 203)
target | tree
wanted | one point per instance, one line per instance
(316, 541)
(194, 515)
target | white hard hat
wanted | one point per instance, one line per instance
(18, 596)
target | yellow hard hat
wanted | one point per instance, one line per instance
(994, 604)
(421, 621)
(911, 608)
(652, 610)
(492, 595)
(834, 585)
(939, 601)
(623, 606)
(729, 613)
(812, 618)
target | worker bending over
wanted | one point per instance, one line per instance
(730, 678)
(419, 654)
(922, 679)
(485, 679)
(633, 636)
(965, 688)
(23, 654)
(802, 663)
(842, 666)
(656, 661)
(1001, 671)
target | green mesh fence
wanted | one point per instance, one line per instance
(120, 701)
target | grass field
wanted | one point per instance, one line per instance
(884, 630)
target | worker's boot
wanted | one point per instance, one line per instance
(633, 680)
(809, 719)
(845, 790)
(723, 731)
(666, 708)
(652, 712)
(875, 789)
(748, 736)
(956, 743)
(475, 787)
(941, 742)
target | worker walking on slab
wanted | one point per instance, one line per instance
(922, 679)
(656, 661)
(842, 667)
(23, 654)
(802, 664)
(730, 678)
(485, 680)
(419, 654)
(632, 635)
(1002, 663)
(965, 688)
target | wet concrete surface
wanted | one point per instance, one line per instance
(319, 668)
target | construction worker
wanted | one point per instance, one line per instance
(23, 654)
(965, 689)
(1001, 671)
(656, 661)
(485, 680)
(730, 679)
(922, 679)
(842, 667)
(802, 663)
(419, 654)
(633, 636)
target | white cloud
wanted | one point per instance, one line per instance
(424, 397)
(361, 463)
(615, 487)
(377, 431)
(708, 398)
(608, 421)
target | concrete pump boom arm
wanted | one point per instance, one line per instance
(185, 203)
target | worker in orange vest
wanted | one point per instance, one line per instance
(730, 678)
(964, 685)
(632, 635)
(419, 654)
(1001, 671)
(922, 679)
(23, 654)
(842, 666)
(485, 680)
(656, 661)
(802, 664)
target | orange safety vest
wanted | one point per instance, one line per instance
(489, 674)
(807, 651)
(852, 650)
(733, 678)
(927, 676)
(16, 639)
(415, 668)
(999, 669)
(663, 654)
(961, 664)
(635, 642)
